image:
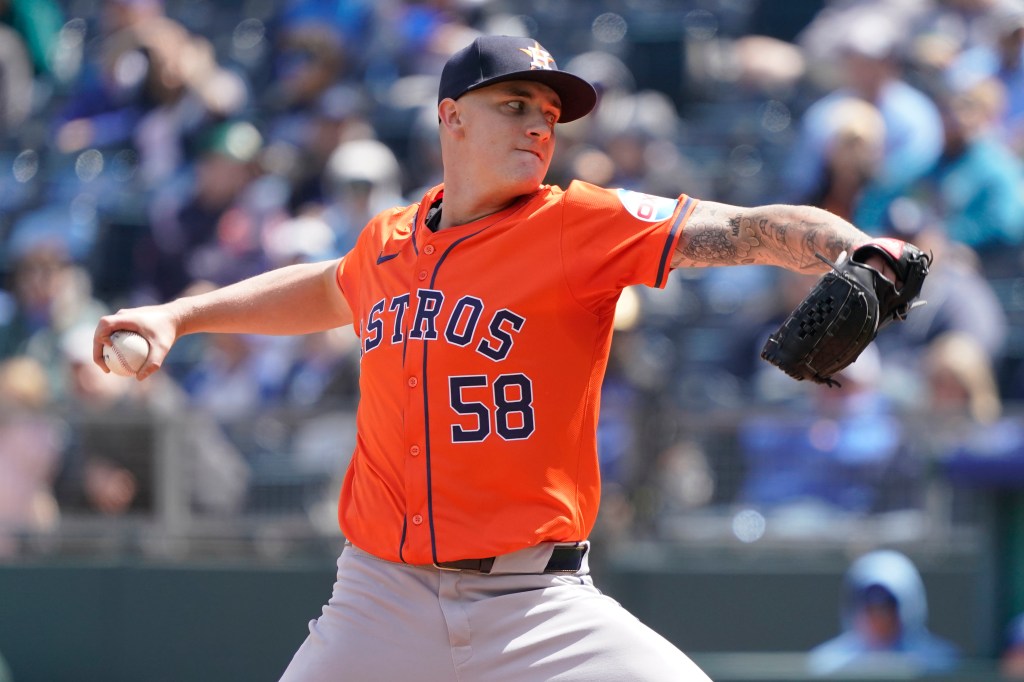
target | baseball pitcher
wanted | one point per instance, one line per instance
(484, 314)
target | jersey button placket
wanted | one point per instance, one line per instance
(418, 533)
(415, 427)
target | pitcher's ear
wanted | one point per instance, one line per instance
(449, 114)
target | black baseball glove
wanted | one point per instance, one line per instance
(845, 310)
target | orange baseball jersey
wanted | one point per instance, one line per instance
(483, 349)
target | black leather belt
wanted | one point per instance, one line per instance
(563, 560)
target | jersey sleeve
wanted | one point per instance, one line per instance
(384, 236)
(615, 238)
(344, 276)
(348, 273)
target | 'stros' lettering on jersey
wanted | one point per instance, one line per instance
(459, 324)
(502, 407)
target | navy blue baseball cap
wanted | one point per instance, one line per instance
(495, 59)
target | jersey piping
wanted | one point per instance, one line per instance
(670, 242)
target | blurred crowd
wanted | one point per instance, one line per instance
(150, 149)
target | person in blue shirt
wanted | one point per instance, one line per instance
(884, 621)
(1011, 659)
(1002, 58)
(976, 184)
(871, 70)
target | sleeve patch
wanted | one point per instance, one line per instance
(647, 207)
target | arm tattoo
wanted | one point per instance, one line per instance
(787, 236)
(715, 238)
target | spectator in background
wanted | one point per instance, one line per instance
(1011, 659)
(31, 445)
(313, 101)
(1000, 57)
(314, 369)
(234, 379)
(966, 431)
(16, 83)
(945, 29)
(884, 613)
(841, 454)
(854, 153)
(38, 22)
(310, 56)
(50, 291)
(324, 371)
(152, 85)
(871, 71)
(211, 229)
(817, 40)
(186, 91)
(110, 463)
(339, 115)
(361, 179)
(976, 185)
(961, 391)
(421, 163)
(19, 99)
(639, 132)
(97, 76)
(352, 23)
(422, 35)
(633, 139)
(119, 431)
(960, 300)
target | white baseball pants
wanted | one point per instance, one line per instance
(388, 621)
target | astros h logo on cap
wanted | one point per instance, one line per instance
(495, 59)
(541, 58)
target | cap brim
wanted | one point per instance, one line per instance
(578, 96)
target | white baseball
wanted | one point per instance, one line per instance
(126, 353)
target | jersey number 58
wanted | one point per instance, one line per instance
(509, 407)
